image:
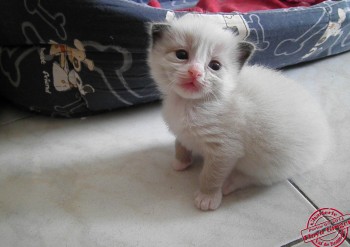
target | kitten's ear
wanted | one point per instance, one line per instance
(245, 50)
(157, 30)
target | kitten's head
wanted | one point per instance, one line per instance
(195, 58)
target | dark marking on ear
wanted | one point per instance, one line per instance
(233, 30)
(245, 51)
(157, 30)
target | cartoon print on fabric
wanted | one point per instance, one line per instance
(69, 62)
(238, 24)
(333, 29)
(65, 73)
(63, 63)
(11, 58)
(257, 28)
(56, 21)
(294, 45)
(346, 41)
(66, 63)
(127, 62)
(72, 107)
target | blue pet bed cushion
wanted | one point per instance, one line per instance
(77, 58)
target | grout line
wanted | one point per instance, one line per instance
(300, 240)
(295, 186)
(315, 206)
(303, 194)
(293, 243)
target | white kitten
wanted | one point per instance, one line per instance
(250, 124)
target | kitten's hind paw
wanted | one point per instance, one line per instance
(180, 166)
(207, 202)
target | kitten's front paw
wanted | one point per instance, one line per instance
(208, 201)
(180, 166)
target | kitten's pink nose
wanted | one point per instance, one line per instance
(194, 71)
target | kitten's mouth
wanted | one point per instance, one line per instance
(192, 86)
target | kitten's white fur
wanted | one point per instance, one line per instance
(251, 125)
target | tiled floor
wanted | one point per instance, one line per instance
(106, 180)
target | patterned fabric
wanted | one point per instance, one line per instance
(76, 57)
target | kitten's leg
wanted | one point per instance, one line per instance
(183, 157)
(211, 180)
(236, 181)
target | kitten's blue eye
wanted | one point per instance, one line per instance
(214, 65)
(181, 54)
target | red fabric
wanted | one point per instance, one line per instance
(154, 3)
(227, 6)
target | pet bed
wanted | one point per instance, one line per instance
(80, 57)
